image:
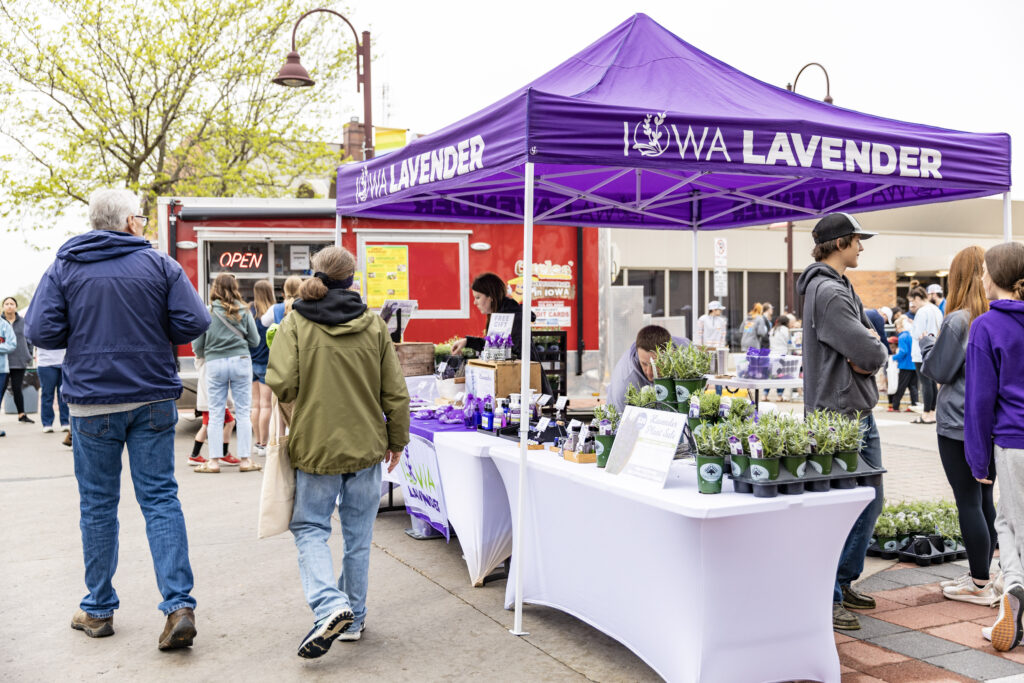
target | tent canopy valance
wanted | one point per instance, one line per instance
(642, 130)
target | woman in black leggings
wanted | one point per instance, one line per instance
(944, 363)
(19, 359)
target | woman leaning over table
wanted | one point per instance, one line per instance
(333, 357)
(944, 363)
(994, 422)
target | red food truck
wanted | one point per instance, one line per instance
(433, 263)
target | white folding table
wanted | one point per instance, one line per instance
(723, 587)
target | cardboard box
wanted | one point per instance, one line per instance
(498, 378)
(416, 358)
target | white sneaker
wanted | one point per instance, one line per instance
(962, 579)
(65, 428)
(1006, 632)
(968, 591)
(260, 451)
(986, 633)
(48, 430)
(351, 634)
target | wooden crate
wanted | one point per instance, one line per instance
(498, 378)
(417, 358)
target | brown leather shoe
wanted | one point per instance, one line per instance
(180, 629)
(67, 440)
(94, 628)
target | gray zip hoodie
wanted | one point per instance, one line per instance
(944, 362)
(836, 333)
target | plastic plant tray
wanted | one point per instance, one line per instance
(787, 484)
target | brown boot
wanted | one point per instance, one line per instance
(180, 629)
(94, 628)
(67, 440)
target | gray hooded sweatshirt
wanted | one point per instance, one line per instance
(944, 360)
(836, 333)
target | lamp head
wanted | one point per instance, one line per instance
(293, 74)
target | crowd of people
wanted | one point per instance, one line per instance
(117, 383)
(119, 380)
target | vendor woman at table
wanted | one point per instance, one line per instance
(635, 367)
(490, 295)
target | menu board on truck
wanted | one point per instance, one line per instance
(387, 273)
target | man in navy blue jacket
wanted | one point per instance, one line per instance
(119, 307)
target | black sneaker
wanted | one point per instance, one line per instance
(856, 600)
(843, 619)
(318, 641)
(26, 419)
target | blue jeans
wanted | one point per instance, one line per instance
(315, 495)
(50, 380)
(234, 372)
(851, 561)
(98, 443)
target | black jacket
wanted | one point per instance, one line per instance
(507, 305)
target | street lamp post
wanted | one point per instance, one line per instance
(294, 75)
(790, 284)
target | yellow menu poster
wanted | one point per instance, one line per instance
(387, 274)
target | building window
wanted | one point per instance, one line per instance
(764, 288)
(653, 282)
(680, 296)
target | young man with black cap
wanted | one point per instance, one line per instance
(841, 353)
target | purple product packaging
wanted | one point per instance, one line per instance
(756, 447)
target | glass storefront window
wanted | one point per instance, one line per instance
(680, 296)
(764, 288)
(293, 258)
(653, 282)
(237, 257)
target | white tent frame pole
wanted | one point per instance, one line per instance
(337, 230)
(694, 276)
(524, 394)
(1007, 218)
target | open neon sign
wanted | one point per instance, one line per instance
(241, 260)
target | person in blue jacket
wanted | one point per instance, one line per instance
(905, 362)
(8, 343)
(119, 307)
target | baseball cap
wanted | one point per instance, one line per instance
(836, 225)
(894, 340)
(886, 313)
(716, 306)
(934, 289)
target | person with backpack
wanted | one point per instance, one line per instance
(224, 347)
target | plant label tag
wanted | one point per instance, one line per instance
(812, 443)
(735, 445)
(574, 425)
(561, 402)
(756, 447)
(581, 440)
(441, 367)
(542, 424)
(694, 407)
(543, 400)
(725, 406)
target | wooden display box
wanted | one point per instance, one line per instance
(582, 458)
(416, 358)
(498, 378)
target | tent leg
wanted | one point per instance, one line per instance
(1007, 218)
(337, 230)
(695, 311)
(524, 388)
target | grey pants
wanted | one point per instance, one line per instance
(1010, 513)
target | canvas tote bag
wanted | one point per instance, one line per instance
(277, 495)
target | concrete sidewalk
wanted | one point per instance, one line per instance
(425, 620)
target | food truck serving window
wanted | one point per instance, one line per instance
(236, 257)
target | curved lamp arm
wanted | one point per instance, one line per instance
(355, 35)
(828, 94)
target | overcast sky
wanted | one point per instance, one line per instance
(950, 64)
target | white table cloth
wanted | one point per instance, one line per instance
(478, 507)
(724, 587)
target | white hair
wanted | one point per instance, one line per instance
(109, 208)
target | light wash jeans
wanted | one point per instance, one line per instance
(851, 561)
(221, 373)
(98, 443)
(358, 496)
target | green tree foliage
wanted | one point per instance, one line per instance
(164, 97)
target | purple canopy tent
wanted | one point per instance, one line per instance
(642, 130)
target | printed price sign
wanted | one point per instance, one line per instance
(561, 402)
(543, 400)
(501, 324)
(542, 424)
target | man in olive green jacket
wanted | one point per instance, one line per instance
(335, 360)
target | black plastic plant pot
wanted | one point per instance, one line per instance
(793, 488)
(684, 388)
(795, 465)
(664, 389)
(764, 469)
(846, 460)
(817, 486)
(740, 486)
(710, 470)
(740, 465)
(603, 448)
(820, 464)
